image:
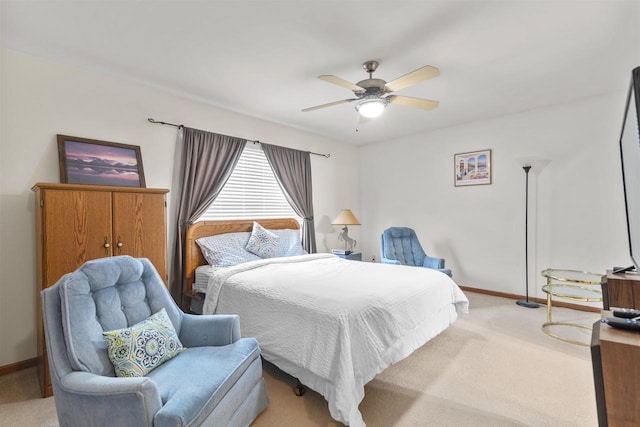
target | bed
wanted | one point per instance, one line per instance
(332, 323)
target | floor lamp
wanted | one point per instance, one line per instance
(526, 302)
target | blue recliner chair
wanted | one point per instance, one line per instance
(215, 381)
(400, 245)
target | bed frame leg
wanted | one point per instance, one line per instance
(299, 389)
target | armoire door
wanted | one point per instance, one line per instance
(76, 228)
(139, 227)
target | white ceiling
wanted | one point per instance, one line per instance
(261, 58)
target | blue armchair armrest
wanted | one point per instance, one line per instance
(432, 262)
(109, 400)
(389, 261)
(208, 330)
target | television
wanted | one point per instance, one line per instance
(630, 159)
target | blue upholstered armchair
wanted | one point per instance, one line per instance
(400, 245)
(215, 381)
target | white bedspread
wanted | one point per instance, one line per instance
(333, 323)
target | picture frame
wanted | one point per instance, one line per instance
(472, 168)
(93, 162)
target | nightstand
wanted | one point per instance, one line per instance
(353, 256)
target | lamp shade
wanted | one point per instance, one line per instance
(537, 164)
(345, 217)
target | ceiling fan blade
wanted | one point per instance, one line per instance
(416, 76)
(425, 104)
(330, 104)
(341, 82)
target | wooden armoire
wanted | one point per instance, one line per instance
(77, 223)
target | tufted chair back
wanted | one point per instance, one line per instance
(401, 243)
(107, 294)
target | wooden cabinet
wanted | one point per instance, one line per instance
(621, 290)
(615, 354)
(77, 223)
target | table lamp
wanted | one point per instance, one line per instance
(345, 218)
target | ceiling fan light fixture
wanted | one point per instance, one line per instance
(373, 95)
(371, 107)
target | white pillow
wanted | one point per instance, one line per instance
(225, 250)
(262, 242)
(289, 242)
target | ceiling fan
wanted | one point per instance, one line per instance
(372, 95)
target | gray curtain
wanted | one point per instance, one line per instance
(207, 162)
(292, 169)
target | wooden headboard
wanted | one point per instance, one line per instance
(193, 256)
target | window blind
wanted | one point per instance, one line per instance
(251, 191)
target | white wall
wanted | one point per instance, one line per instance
(41, 98)
(576, 204)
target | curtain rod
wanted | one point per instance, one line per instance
(150, 120)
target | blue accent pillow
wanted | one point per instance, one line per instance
(137, 350)
(262, 242)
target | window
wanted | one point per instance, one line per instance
(251, 192)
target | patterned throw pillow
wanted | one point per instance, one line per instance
(224, 250)
(137, 350)
(262, 242)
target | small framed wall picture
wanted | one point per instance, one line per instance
(89, 161)
(472, 168)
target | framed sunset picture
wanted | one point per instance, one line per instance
(89, 161)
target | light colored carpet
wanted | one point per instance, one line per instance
(493, 367)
